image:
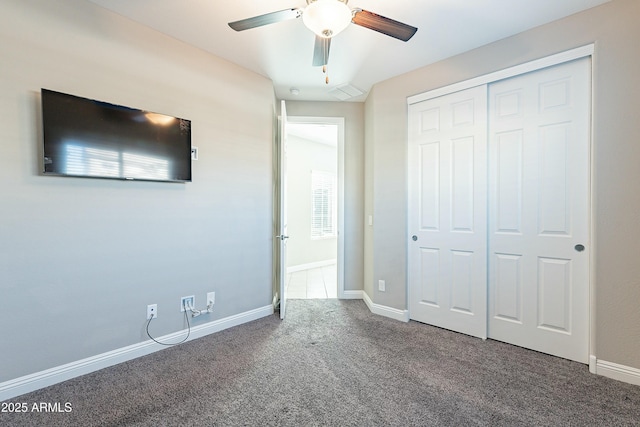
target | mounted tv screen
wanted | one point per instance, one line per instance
(87, 138)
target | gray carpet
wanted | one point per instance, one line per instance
(333, 363)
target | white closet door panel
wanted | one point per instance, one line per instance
(428, 120)
(554, 294)
(508, 169)
(462, 185)
(462, 281)
(507, 289)
(554, 198)
(447, 205)
(539, 210)
(429, 188)
(429, 273)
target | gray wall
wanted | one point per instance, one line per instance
(353, 114)
(80, 259)
(615, 29)
(369, 197)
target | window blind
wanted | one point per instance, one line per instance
(323, 209)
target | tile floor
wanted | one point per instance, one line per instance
(316, 283)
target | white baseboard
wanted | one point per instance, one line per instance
(618, 372)
(31, 382)
(351, 295)
(383, 310)
(309, 266)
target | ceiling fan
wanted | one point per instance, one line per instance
(326, 18)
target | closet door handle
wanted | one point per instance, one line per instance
(579, 248)
(414, 237)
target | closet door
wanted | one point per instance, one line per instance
(447, 212)
(539, 210)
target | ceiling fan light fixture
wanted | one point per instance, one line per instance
(326, 18)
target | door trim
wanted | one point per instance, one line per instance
(339, 122)
(538, 64)
(535, 65)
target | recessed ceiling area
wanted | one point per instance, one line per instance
(360, 57)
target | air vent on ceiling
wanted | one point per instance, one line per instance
(345, 92)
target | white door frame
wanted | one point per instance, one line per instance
(559, 58)
(282, 209)
(339, 122)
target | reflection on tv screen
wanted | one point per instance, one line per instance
(87, 138)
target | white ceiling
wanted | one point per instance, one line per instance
(359, 56)
(317, 132)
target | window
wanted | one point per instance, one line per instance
(84, 160)
(323, 208)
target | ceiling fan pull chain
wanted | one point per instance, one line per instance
(325, 71)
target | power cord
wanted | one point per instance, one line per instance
(195, 312)
(162, 343)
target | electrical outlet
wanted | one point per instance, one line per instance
(211, 298)
(381, 286)
(189, 301)
(152, 311)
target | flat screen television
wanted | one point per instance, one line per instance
(88, 138)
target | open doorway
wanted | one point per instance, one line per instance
(314, 207)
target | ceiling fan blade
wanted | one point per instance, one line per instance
(383, 25)
(321, 51)
(267, 18)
